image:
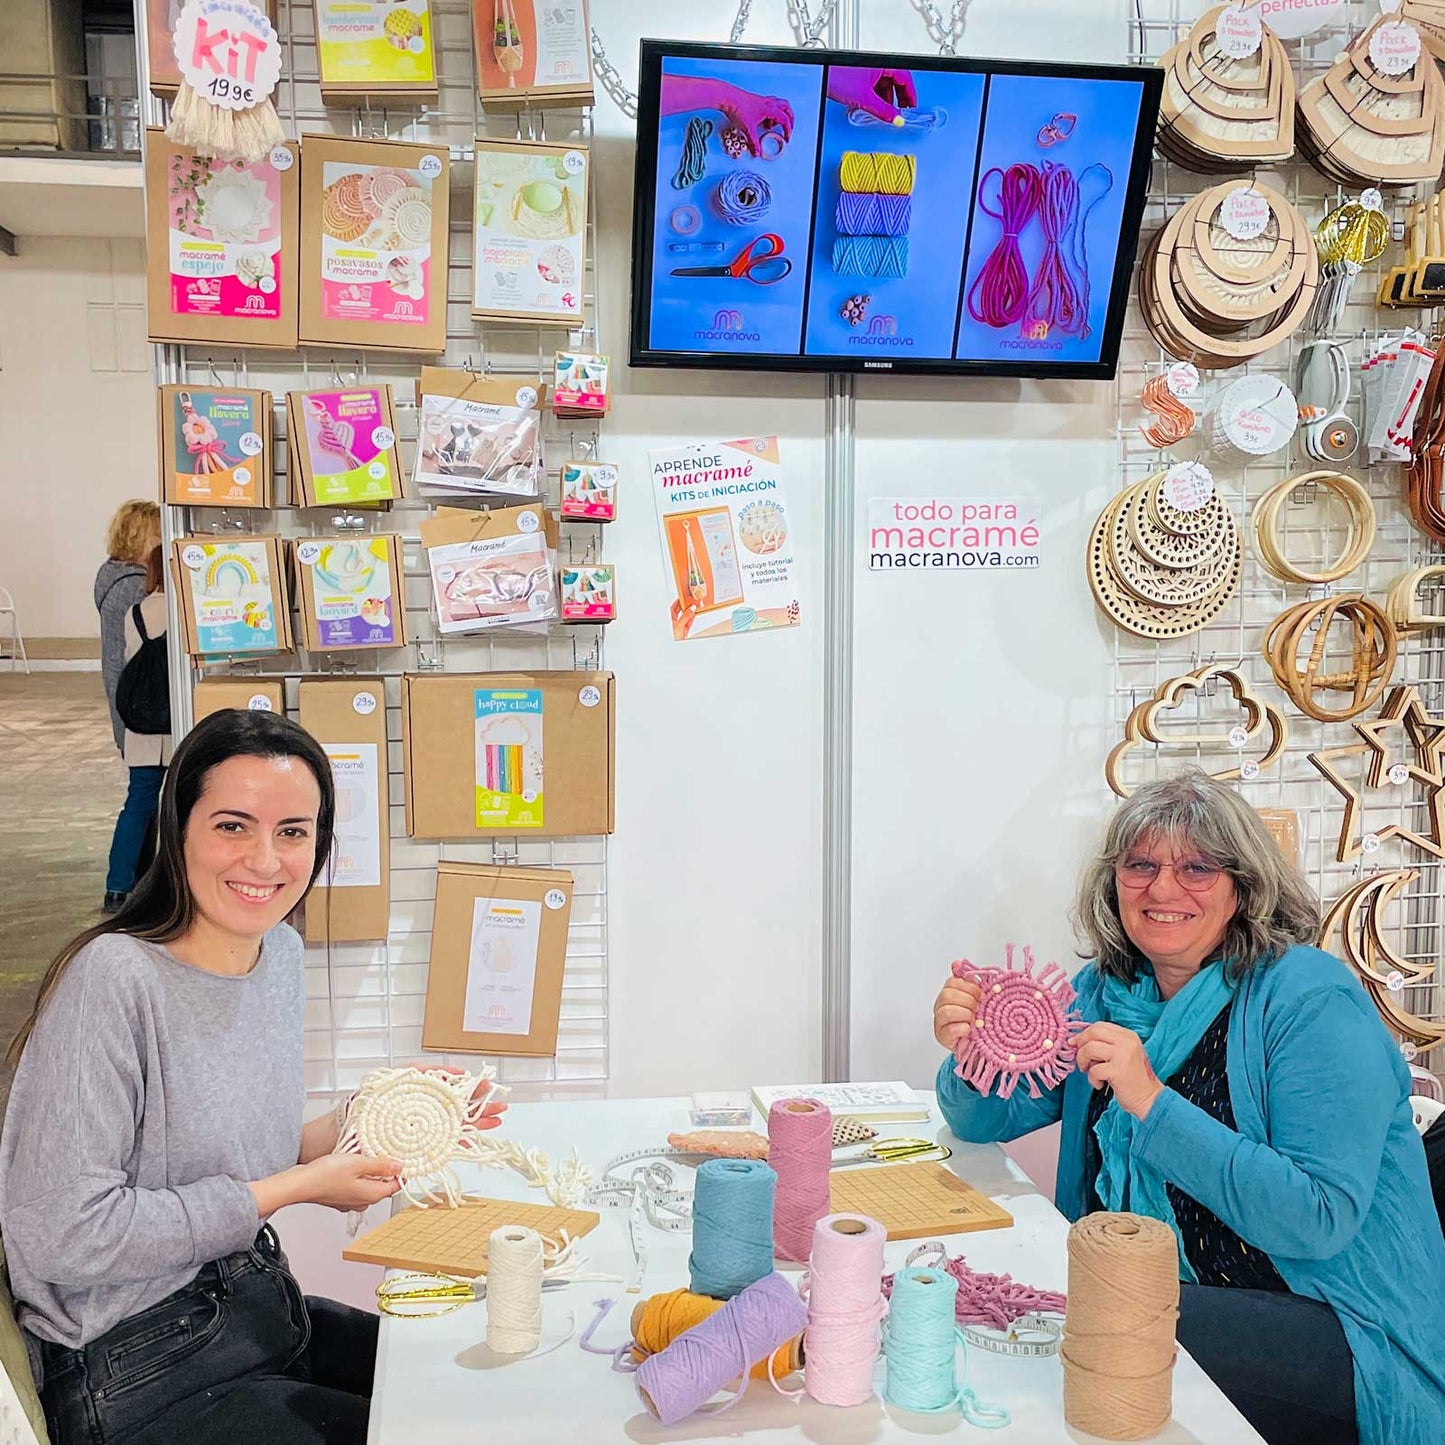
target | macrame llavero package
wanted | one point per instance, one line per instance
(215, 446)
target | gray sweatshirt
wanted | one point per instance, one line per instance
(147, 1097)
(118, 587)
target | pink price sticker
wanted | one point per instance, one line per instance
(1238, 32)
(1245, 213)
(1182, 379)
(1395, 48)
(1188, 486)
(227, 52)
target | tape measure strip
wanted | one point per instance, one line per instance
(1049, 1334)
(654, 1185)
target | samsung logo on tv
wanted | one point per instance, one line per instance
(878, 366)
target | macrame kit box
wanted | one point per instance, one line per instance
(249, 694)
(491, 569)
(349, 591)
(588, 592)
(352, 898)
(589, 491)
(520, 753)
(221, 247)
(374, 244)
(364, 50)
(478, 434)
(342, 444)
(215, 446)
(532, 53)
(498, 952)
(529, 232)
(233, 595)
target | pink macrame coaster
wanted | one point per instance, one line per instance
(1024, 1027)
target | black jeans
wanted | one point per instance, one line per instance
(1283, 1360)
(237, 1355)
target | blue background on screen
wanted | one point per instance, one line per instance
(735, 315)
(1018, 106)
(919, 308)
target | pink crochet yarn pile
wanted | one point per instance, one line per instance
(996, 1300)
(1023, 1028)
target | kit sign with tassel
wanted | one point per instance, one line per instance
(229, 57)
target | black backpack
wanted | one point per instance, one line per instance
(143, 694)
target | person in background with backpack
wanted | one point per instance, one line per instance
(142, 701)
(119, 585)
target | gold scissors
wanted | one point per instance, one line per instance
(896, 1151)
(423, 1296)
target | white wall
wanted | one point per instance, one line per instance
(77, 419)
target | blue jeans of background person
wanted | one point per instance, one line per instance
(141, 799)
(1283, 1360)
(236, 1356)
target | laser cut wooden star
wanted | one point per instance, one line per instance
(1403, 709)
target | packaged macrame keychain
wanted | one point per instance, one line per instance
(1023, 1027)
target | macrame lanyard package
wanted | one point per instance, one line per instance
(1023, 1028)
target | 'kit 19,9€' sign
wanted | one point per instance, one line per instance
(228, 52)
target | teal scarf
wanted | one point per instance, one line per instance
(1171, 1031)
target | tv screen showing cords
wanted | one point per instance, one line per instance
(810, 210)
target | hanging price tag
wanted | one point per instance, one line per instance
(1244, 213)
(1399, 775)
(1238, 737)
(1370, 843)
(1238, 32)
(1188, 486)
(1182, 379)
(227, 52)
(1395, 47)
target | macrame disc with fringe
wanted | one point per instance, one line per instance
(1023, 1028)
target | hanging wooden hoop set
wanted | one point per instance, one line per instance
(1403, 604)
(1357, 544)
(1372, 646)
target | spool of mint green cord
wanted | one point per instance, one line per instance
(921, 1341)
(732, 1226)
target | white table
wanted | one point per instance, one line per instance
(437, 1382)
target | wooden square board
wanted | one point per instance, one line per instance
(915, 1201)
(454, 1241)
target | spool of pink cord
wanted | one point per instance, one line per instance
(844, 1294)
(800, 1151)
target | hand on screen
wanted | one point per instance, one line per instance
(880, 92)
(755, 114)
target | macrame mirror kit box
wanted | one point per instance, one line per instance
(374, 244)
(532, 53)
(491, 569)
(352, 897)
(349, 592)
(498, 953)
(221, 247)
(233, 595)
(364, 49)
(253, 694)
(215, 446)
(342, 446)
(508, 752)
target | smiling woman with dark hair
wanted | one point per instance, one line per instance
(1236, 1083)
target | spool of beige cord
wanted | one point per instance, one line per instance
(1118, 1349)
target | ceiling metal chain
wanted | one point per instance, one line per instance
(945, 35)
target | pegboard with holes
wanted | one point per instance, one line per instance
(1310, 526)
(365, 1001)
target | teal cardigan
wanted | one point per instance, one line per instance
(1323, 1171)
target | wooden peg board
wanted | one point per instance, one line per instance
(454, 1241)
(915, 1201)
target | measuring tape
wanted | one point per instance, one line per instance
(1029, 1337)
(650, 1194)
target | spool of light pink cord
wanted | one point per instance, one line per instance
(800, 1151)
(844, 1293)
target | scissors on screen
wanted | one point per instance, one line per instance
(762, 268)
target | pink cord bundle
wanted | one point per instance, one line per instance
(800, 1151)
(1023, 1027)
(995, 1300)
(844, 1293)
(1055, 299)
(1000, 291)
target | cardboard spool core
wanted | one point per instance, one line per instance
(849, 1226)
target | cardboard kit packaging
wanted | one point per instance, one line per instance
(589, 491)
(508, 752)
(588, 591)
(498, 953)
(532, 52)
(529, 232)
(491, 569)
(233, 595)
(341, 446)
(478, 433)
(374, 244)
(364, 50)
(352, 897)
(349, 592)
(215, 446)
(221, 247)
(256, 694)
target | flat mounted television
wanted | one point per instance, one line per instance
(812, 210)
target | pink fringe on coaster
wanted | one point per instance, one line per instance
(996, 1300)
(1024, 1027)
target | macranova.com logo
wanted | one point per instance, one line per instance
(728, 325)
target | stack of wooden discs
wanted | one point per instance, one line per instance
(1428, 17)
(1219, 112)
(1217, 300)
(1361, 125)
(1297, 648)
(1160, 572)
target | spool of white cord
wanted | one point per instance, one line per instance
(514, 1290)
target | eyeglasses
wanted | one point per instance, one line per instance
(1197, 875)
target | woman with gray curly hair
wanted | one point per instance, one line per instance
(1236, 1083)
